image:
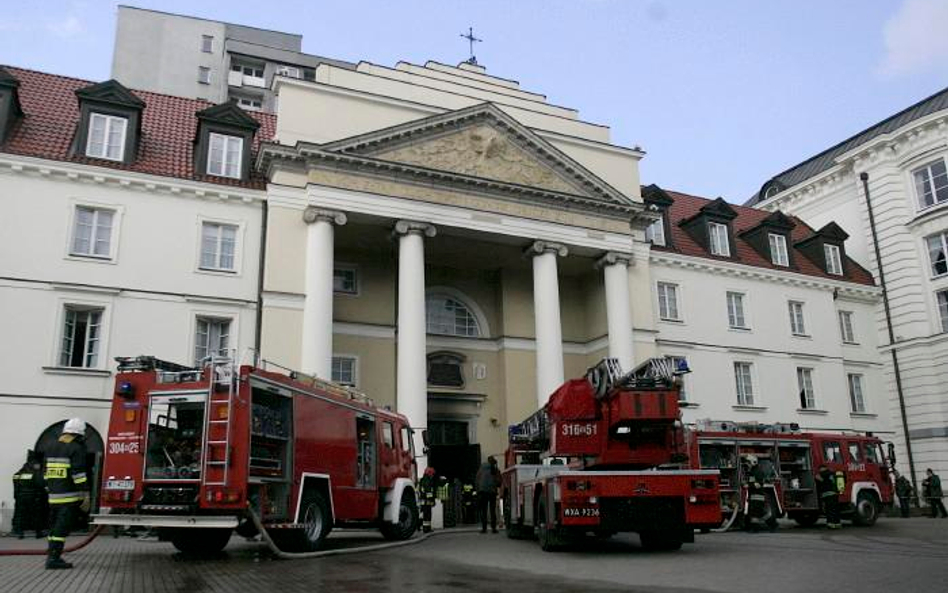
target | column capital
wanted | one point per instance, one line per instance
(611, 258)
(313, 214)
(408, 227)
(541, 247)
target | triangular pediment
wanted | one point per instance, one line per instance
(112, 92)
(480, 142)
(229, 114)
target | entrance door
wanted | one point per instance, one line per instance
(450, 451)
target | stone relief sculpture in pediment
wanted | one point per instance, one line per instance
(481, 151)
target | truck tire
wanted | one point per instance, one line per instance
(316, 520)
(806, 519)
(867, 509)
(407, 518)
(199, 542)
(549, 538)
(514, 530)
(660, 541)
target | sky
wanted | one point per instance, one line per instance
(721, 94)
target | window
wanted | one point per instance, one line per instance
(937, 250)
(345, 280)
(344, 370)
(832, 453)
(82, 333)
(873, 454)
(797, 327)
(677, 362)
(204, 75)
(290, 71)
(778, 250)
(931, 184)
(92, 232)
(942, 296)
(218, 244)
(388, 435)
(856, 399)
(207, 43)
(834, 263)
(211, 337)
(744, 383)
(449, 317)
(224, 157)
(250, 103)
(405, 437)
(855, 453)
(805, 386)
(446, 369)
(655, 232)
(668, 301)
(846, 327)
(717, 236)
(106, 137)
(735, 311)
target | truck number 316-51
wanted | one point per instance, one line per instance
(578, 429)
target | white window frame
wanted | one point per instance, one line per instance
(664, 311)
(213, 317)
(744, 383)
(847, 327)
(56, 351)
(479, 330)
(779, 256)
(684, 391)
(941, 302)
(238, 246)
(805, 388)
(247, 103)
(940, 241)
(718, 241)
(116, 211)
(834, 259)
(204, 74)
(351, 358)
(109, 122)
(655, 232)
(736, 311)
(925, 171)
(207, 44)
(857, 395)
(797, 321)
(227, 140)
(356, 279)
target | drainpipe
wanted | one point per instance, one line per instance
(260, 270)
(888, 321)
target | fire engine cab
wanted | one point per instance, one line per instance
(194, 451)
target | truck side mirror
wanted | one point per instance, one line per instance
(891, 451)
(424, 438)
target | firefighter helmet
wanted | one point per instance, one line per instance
(75, 426)
(751, 459)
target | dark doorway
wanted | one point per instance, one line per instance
(95, 450)
(450, 451)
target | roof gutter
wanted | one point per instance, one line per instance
(888, 321)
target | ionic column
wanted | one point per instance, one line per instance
(615, 269)
(316, 351)
(411, 387)
(546, 311)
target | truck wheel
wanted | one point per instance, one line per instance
(548, 537)
(806, 519)
(199, 542)
(513, 530)
(867, 510)
(657, 541)
(407, 519)
(316, 522)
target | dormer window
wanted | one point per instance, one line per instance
(224, 156)
(778, 250)
(710, 227)
(717, 239)
(655, 232)
(658, 201)
(834, 262)
(825, 249)
(224, 137)
(106, 137)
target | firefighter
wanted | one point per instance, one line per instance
(29, 495)
(68, 487)
(826, 485)
(903, 490)
(468, 500)
(426, 488)
(756, 498)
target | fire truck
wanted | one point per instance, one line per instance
(790, 459)
(194, 451)
(607, 454)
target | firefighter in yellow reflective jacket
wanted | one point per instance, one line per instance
(827, 484)
(68, 487)
(426, 488)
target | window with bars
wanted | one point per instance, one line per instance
(834, 261)
(344, 370)
(224, 156)
(942, 297)
(856, 399)
(938, 253)
(797, 325)
(211, 338)
(218, 246)
(92, 232)
(655, 232)
(778, 250)
(668, 301)
(449, 317)
(106, 137)
(931, 184)
(846, 328)
(735, 311)
(805, 388)
(717, 237)
(744, 383)
(81, 337)
(345, 280)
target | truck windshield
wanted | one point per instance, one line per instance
(175, 430)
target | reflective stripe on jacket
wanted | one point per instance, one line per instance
(65, 470)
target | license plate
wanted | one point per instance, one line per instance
(120, 484)
(581, 512)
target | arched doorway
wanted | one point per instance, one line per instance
(95, 450)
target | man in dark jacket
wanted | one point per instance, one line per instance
(68, 488)
(829, 496)
(931, 487)
(426, 488)
(29, 495)
(903, 490)
(487, 483)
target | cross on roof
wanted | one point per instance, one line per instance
(471, 40)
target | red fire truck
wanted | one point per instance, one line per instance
(193, 451)
(790, 459)
(606, 454)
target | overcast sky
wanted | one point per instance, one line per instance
(721, 94)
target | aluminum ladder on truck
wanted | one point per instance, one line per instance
(220, 400)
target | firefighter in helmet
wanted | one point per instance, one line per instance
(68, 487)
(426, 488)
(826, 485)
(29, 495)
(756, 498)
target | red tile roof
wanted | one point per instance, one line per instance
(169, 125)
(685, 206)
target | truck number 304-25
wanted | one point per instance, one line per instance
(578, 429)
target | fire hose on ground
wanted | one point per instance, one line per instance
(78, 546)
